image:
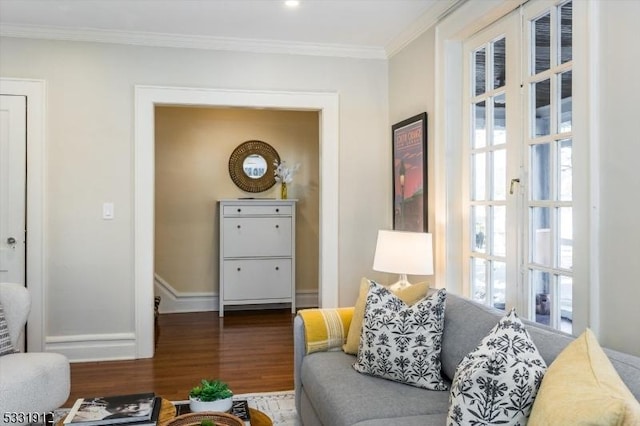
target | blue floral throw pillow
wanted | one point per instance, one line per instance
(401, 342)
(497, 382)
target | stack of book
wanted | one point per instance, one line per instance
(240, 408)
(141, 409)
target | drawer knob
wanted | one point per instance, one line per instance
(238, 268)
(277, 210)
(277, 268)
(239, 210)
(239, 226)
(277, 226)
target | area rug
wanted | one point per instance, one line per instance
(279, 406)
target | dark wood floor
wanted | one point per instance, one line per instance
(251, 350)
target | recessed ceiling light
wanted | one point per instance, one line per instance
(292, 3)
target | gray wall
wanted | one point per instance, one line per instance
(619, 179)
(89, 160)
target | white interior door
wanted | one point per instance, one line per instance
(13, 136)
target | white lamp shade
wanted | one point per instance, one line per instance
(400, 252)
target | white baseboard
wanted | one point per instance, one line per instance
(122, 346)
(94, 347)
(173, 301)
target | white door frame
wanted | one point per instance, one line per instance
(34, 90)
(146, 98)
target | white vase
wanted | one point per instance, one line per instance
(220, 405)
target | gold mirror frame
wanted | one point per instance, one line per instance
(236, 162)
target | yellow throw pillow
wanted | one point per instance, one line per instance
(408, 295)
(325, 329)
(581, 386)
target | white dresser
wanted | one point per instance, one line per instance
(257, 252)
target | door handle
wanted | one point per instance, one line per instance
(12, 242)
(513, 184)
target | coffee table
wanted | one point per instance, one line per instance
(258, 418)
(168, 412)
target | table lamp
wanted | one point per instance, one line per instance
(404, 253)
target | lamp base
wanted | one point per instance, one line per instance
(402, 283)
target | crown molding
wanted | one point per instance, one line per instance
(190, 41)
(428, 19)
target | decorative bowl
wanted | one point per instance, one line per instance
(194, 419)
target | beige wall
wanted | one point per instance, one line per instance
(192, 152)
(411, 91)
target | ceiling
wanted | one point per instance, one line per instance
(366, 28)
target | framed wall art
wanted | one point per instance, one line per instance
(410, 174)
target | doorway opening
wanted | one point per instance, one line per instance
(146, 99)
(193, 146)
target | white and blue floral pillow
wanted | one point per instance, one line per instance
(497, 382)
(401, 342)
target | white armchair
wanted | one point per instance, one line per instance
(32, 382)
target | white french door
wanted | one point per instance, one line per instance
(518, 159)
(492, 103)
(13, 139)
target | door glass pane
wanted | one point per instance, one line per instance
(565, 223)
(566, 303)
(566, 32)
(480, 60)
(479, 229)
(565, 176)
(479, 125)
(479, 176)
(498, 231)
(542, 48)
(499, 165)
(541, 285)
(499, 56)
(499, 120)
(498, 278)
(478, 280)
(540, 173)
(541, 119)
(566, 100)
(539, 152)
(541, 241)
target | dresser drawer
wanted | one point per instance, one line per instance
(257, 236)
(254, 210)
(257, 279)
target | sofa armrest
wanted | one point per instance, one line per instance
(327, 330)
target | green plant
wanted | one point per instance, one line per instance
(206, 423)
(211, 390)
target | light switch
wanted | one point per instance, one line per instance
(107, 211)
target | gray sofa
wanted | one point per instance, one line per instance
(330, 392)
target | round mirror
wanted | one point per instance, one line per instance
(255, 166)
(251, 166)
